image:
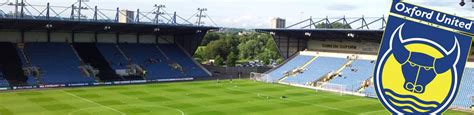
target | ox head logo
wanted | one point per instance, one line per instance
(419, 69)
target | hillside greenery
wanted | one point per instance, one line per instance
(230, 48)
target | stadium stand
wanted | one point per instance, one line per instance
(90, 54)
(179, 56)
(148, 56)
(317, 69)
(94, 51)
(10, 64)
(293, 63)
(463, 100)
(354, 74)
(58, 63)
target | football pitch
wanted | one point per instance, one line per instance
(188, 98)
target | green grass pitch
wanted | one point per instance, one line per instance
(188, 98)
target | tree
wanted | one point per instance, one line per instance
(229, 47)
(218, 61)
(249, 49)
(231, 59)
(337, 25)
(200, 53)
(279, 61)
(211, 36)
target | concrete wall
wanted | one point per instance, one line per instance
(128, 38)
(84, 37)
(147, 39)
(10, 37)
(166, 39)
(346, 46)
(106, 38)
(36, 37)
(15, 36)
(61, 37)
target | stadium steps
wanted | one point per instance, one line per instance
(331, 76)
(302, 67)
(349, 62)
(321, 67)
(185, 64)
(82, 62)
(295, 61)
(121, 52)
(115, 57)
(156, 62)
(367, 82)
(127, 57)
(26, 61)
(195, 62)
(89, 53)
(10, 64)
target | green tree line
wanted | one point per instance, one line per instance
(229, 48)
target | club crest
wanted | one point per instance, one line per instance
(419, 66)
(416, 73)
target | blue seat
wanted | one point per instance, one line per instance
(319, 67)
(176, 54)
(142, 53)
(58, 63)
(353, 76)
(112, 54)
(294, 63)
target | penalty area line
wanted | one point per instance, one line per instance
(90, 101)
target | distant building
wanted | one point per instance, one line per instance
(278, 23)
(126, 16)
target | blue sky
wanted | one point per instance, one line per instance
(257, 13)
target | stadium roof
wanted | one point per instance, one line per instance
(336, 34)
(97, 26)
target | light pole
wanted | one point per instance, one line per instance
(200, 15)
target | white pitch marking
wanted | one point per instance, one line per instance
(297, 101)
(122, 113)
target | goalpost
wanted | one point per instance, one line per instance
(260, 77)
(337, 88)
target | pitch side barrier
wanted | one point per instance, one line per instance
(96, 83)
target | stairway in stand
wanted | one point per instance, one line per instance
(302, 67)
(91, 55)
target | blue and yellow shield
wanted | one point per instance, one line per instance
(419, 67)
